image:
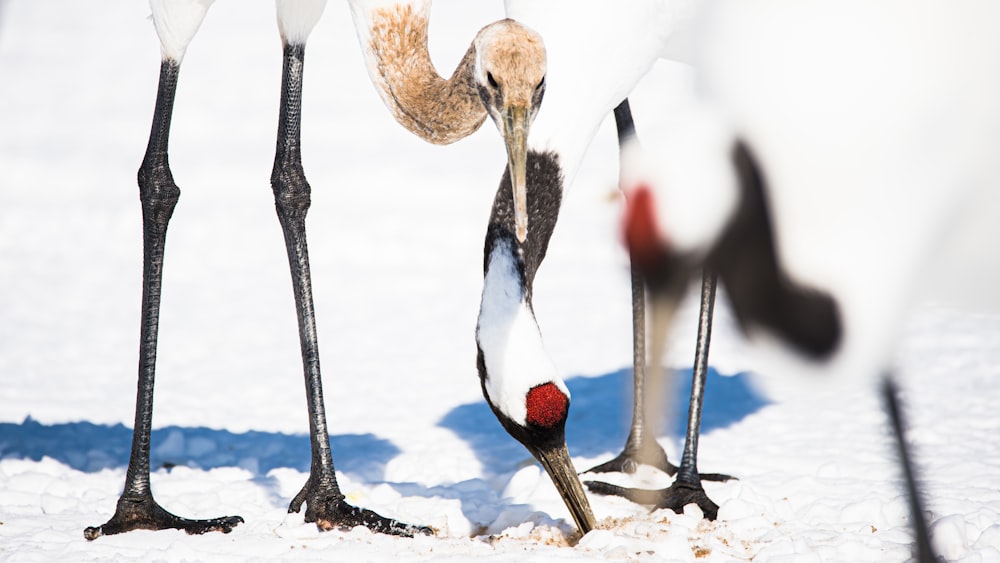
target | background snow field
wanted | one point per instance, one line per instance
(396, 234)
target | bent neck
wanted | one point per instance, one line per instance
(394, 39)
(545, 187)
(512, 357)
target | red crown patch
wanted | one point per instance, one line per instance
(546, 405)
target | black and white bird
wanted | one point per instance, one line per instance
(641, 446)
(504, 75)
(840, 165)
(508, 84)
(394, 39)
(596, 54)
(584, 71)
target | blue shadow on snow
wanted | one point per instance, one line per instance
(598, 423)
(600, 414)
(91, 447)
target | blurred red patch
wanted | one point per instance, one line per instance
(641, 235)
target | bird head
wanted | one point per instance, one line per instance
(510, 77)
(536, 417)
(518, 380)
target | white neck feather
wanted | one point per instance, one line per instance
(510, 340)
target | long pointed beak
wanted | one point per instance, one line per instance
(560, 468)
(515, 126)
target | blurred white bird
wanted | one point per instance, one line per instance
(840, 165)
(872, 128)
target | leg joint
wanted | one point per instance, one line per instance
(157, 190)
(291, 190)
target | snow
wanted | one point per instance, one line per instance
(507, 328)
(396, 235)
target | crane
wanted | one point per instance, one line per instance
(397, 53)
(840, 184)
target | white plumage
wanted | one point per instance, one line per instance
(595, 56)
(877, 128)
(296, 19)
(874, 130)
(597, 52)
(177, 21)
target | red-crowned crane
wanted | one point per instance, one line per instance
(532, 411)
(845, 157)
(596, 53)
(588, 72)
(441, 110)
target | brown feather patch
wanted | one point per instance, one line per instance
(437, 110)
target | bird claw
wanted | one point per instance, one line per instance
(143, 513)
(675, 497)
(346, 516)
(717, 477)
(329, 511)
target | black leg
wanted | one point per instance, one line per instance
(687, 487)
(325, 504)
(640, 446)
(923, 551)
(158, 194)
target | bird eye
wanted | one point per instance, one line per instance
(491, 80)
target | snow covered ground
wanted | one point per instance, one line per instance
(396, 232)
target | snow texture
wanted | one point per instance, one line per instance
(396, 235)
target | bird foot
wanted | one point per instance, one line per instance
(675, 497)
(633, 456)
(325, 505)
(143, 513)
(652, 455)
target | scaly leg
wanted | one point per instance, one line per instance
(325, 504)
(640, 447)
(158, 193)
(687, 488)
